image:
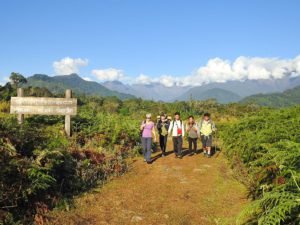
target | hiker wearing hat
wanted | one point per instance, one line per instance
(206, 128)
(163, 125)
(176, 129)
(147, 130)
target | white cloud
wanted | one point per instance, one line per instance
(167, 80)
(68, 65)
(109, 74)
(222, 70)
(144, 79)
(87, 79)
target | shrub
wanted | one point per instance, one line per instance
(268, 144)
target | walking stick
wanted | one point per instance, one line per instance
(216, 141)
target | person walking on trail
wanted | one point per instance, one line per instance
(206, 128)
(163, 125)
(147, 130)
(192, 131)
(176, 129)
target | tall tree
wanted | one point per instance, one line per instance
(17, 78)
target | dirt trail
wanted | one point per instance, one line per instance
(193, 190)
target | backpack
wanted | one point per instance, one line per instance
(211, 123)
(164, 131)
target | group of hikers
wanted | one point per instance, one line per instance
(176, 128)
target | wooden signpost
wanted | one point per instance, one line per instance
(44, 106)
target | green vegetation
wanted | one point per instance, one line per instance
(266, 147)
(287, 98)
(42, 169)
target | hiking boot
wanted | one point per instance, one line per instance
(162, 155)
(145, 160)
(180, 156)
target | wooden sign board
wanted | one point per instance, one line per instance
(43, 106)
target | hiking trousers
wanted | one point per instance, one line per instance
(163, 143)
(206, 141)
(177, 143)
(192, 141)
(146, 145)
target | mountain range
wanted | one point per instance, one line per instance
(231, 91)
(58, 84)
(153, 91)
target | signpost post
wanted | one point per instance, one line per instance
(20, 93)
(68, 117)
(44, 106)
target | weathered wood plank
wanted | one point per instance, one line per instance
(43, 110)
(45, 106)
(41, 101)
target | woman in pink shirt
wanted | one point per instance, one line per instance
(147, 128)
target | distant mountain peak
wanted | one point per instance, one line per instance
(59, 83)
(115, 82)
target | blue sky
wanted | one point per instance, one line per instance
(157, 39)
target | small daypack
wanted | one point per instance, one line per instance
(164, 131)
(211, 123)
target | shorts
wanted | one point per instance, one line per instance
(206, 141)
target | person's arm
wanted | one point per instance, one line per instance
(159, 125)
(154, 133)
(183, 129)
(167, 125)
(170, 128)
(199, 128)
(187, 127)
(195, 127)
(142, 126)
(213, 126)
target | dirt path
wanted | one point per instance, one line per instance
(193, 190)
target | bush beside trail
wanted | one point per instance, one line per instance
(267, 146)
(40, 168)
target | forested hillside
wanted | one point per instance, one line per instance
(58, 84)
(286, 98)
(221, 95)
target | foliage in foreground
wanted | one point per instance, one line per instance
(268, 145)
(40, 168)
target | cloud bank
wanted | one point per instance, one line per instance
(68, 65)
(222, 70)
(216, 70)
(109, 74)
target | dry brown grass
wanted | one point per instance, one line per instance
(194, 190)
